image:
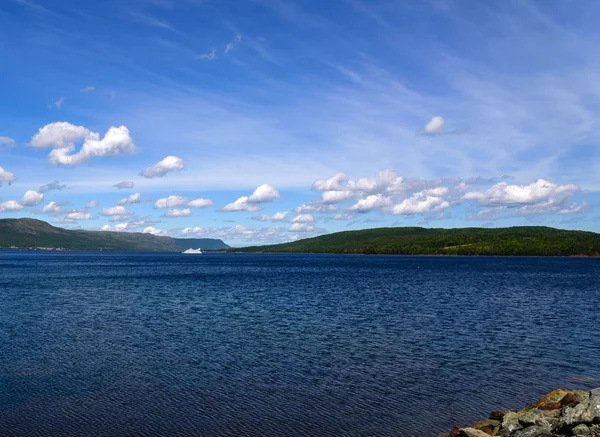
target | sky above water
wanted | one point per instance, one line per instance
(262, 121)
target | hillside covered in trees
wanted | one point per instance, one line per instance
(517, 241)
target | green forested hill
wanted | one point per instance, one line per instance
(29, 233)
(526, 240)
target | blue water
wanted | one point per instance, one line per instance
(97, 344)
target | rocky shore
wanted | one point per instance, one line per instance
(560, 413)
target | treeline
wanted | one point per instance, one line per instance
(515, 241)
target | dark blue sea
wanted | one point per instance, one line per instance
(120, 344)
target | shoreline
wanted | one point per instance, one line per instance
(560, 413)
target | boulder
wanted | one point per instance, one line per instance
(581, 430)
(534, 431)
(472, 432)
(585, 412)
(510, 423)
(488, 426)
(551, 400)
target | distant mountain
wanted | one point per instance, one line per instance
(200, 243)
(522, 241)
(26, 233)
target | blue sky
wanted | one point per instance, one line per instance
(263, 121)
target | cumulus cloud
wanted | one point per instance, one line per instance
(164, 166)
(436, 127)
(91, 204)
(301, 227)
(6, 176)
(239, 233)
(115, 211)
(62, 136)
(303, 218)
(31, 198)
(186, 212)
(312, 207)
(131, 199)
(51, 208)
(120, 227)
(52, 186)
(332, 197)
(420, 203)
(263, 194)
(124, 185)
(230, 46)
(277, 217)
(79, 216)
(6, 142)
(334, 183)
(539, 197)
(10, 205)
(169, 202)
(199, 203)
(505, 194)
(369, 203)
(152, 230)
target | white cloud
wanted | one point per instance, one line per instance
(420, 203)
(152, 230)
(186, 212)
(343, 216)
(540, 197)
(6, 142)
(230, 46)
(51, 208)
(435, 126)
(6, 176)
(334, 183)
(169, 202)
(31, 198)
(87, 89)
(54, 185)
(369, 203)
(131, 199)
(120, 227)
(277, 217)
(504, 194)
(241, 204)
(312, 207)
(91, 204)
(115, 211)
(79, 216)
(239, 233)
(262, 194)
(301, 227)
(124, 185)
(332, 197)
(200, 203)
(210, 56)
(10, 205)
(164, 166)
(303, 218)
(62, 136)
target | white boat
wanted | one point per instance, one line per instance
(193, 251)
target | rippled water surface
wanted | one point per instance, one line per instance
(96, 344)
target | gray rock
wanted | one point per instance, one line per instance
(472, 432)
(581, 430)
(587, 411)
(533, 431)
(510, 423)
(533, 417)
